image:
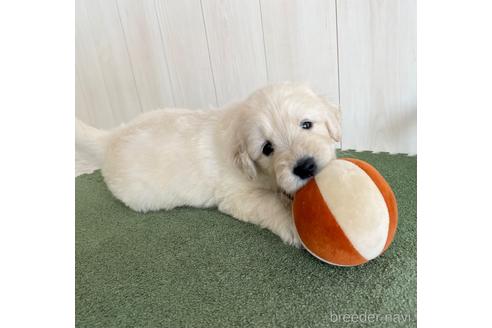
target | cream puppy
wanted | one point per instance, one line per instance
(244, 159)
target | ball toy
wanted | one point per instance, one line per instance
(347, 214)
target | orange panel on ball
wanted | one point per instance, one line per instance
(388, 195)
(318, 229)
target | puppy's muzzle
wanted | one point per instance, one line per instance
(305, 167)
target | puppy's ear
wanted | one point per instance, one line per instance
(244, 161)
(332, 121)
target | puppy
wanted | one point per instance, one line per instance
(245, 159)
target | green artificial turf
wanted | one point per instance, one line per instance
(201, 268)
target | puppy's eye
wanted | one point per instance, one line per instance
(306, 125)
(267, 148)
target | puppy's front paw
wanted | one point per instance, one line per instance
(290, 236)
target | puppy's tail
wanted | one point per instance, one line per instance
(90, 146)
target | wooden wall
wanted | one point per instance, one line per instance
(134, 56)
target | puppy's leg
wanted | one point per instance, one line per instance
(264, 208)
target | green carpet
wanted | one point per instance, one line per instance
(201, 268)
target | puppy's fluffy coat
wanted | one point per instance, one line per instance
(202, 158)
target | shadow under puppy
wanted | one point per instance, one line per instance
(246, 158)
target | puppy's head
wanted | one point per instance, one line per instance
(287, 133)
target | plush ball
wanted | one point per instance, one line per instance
(347, 214)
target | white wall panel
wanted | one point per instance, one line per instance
(90, 88)
(377, 47)
(103, 29)
(301, 43)
(235, 41)
(185, 44)
(146, 50)
(81, 101)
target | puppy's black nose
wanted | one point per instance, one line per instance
(305, 167)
